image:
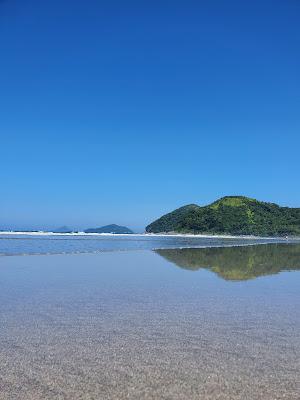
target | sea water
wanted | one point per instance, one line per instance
(201, 323)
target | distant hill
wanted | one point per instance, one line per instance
(113, 228)
(235, 215)
(63, 229)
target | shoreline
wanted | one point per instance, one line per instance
(187, 235)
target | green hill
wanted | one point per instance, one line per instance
(235, 215)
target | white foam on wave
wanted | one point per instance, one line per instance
(183, 235)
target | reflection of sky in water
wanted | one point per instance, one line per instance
(115, 324)
(26, 244)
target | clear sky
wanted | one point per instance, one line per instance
(119, 111)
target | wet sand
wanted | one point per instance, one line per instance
(132, 325)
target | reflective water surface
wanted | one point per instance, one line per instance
(132, 325)
(13, 244)
(238, 263)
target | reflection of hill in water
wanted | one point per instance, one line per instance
(238, 263)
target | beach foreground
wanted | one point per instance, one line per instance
(133, 325)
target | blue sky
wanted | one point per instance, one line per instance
(117, 112)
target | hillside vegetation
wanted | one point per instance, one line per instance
(235, 215)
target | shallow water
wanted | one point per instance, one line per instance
(67, 244)
(168, 324)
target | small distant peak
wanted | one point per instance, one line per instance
(112, 228)
(63, 229)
